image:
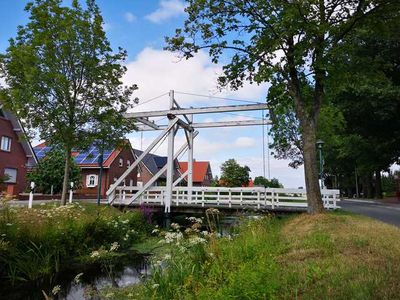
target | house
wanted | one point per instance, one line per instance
(150, 165)
(115, 163)
(202, 175)
(16, 154)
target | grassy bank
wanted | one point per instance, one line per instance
(40, 241)
(329, 256)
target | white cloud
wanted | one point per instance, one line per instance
(245, 142)
(129, 17)
(156, 72)
(168, 9)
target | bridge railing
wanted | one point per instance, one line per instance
(256, 197)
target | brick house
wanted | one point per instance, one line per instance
(16, 154)
(202, 174)
(115, 163)
(150, 165)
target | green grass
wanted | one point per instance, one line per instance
(327, 256)
(40, 241)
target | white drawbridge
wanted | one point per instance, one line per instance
(174, 195)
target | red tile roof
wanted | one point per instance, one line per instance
(199, 169)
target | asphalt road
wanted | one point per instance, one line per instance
(388, 213)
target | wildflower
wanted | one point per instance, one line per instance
(95, 254)
(155, 231)
(114, 246)
(175, 226)
(56, 289)
(205, 233)
(156, 285)
(167, 256)
(8, 224)
(197, 240)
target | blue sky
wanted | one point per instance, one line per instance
(140, 26)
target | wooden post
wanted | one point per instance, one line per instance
(30, 202)
(170, 160)
(71, 191)
(190, 162)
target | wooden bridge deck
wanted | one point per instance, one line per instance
(223, 198)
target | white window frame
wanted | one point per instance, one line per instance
(5, 143)
(88, 180)
(121, 162)
(128, 163)
(13, 177)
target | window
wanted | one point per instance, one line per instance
(5, 143)
(121, 162)
(128, 163)
(11, 175)
(2, 113)
(131, 182)
(91, 180)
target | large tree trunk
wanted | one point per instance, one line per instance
(314, 199)
(66, 176)
(378, 185)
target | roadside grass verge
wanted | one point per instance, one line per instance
(40, 241)
(329, 256)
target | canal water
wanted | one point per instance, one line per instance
(128, 270)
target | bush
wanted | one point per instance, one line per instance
(40, 241)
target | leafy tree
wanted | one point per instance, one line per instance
(273, 183)
(287, 43)
(233, 174)
(63, 78)
(215, 182)
(50, 172)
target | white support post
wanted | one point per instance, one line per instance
(170, 160)
(71, 191)
(190, 163)
(111, 191)
(30, 202)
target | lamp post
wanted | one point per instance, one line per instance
(320, 143)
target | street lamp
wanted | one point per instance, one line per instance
(320, 143)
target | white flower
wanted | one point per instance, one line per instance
(155, 231)
(56, 289)
(175, 226)
(114, 246)
(8, 224)
(95, 254)
(156, 285)
(167, 256)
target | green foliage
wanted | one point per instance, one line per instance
(327, 256)
(273, 183)
(233, 174)
(50, 172)
(41, 241)
(289, 44)
(63, 78)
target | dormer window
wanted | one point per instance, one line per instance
(128, 163)
(121, 162)
(5, 144)
(91, 180)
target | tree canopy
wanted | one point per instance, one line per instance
(233, 174)
(63, 78)
(287, 43)
(265, 182)
(49, 173)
